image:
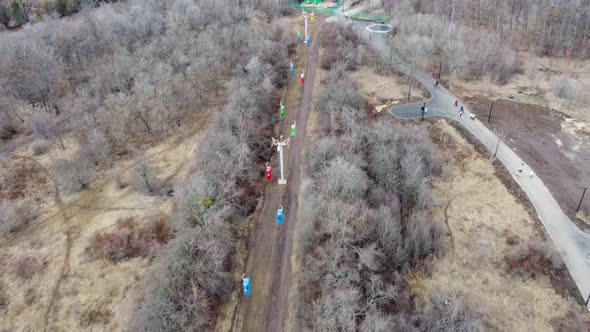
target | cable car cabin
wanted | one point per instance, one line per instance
(279, 216)
(246, 286)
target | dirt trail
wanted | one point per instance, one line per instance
(269, 263)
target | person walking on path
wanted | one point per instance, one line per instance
(461, 114)
(292, 68)
(461, 109)
(298, 36)
(531, 174)
(473, 116)
(518, 172)
(302, 77)
(456, 103)
(436, 84)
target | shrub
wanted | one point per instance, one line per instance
(446, 312)
(75, 174)
(15, 214)
(534, 258)
(97, 147)
(377, 322)
(324, 150)
(39, 147)
(339, 95)
(95, 313)
(4, 15)
(144, 177)
(343, 180)
(508, 66)
(117, 178)
(31, 296)
(573, 321)
(402, 162)
(336, 311)
(43, 126)
(18, 12)
(8, 127)
(61, 6)
(17, 178)
(341, 43)
(4, 299)
(131, 238)
(26, 267)
(564, 87)
(189, 282)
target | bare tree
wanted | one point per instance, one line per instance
(9, 105)
(39, 147)
(14, 215)
(144, 176)
(8, 128)
(448, 311)
(44, 127)
(20, 11)
(75, 174)
(343, 180)
(4, 15)
(565, 88)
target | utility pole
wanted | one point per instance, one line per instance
(490, 114)
(588, 300)
(409, 91)
(580, 205)
(390, 57)
(280, 144)
(439, 70)
(496, 151)
(305, 17)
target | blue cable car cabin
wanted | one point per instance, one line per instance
(246, 286)
(279, 216)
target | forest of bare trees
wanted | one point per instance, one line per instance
(554, 27)
(115, 79)
(366, 220)
(193, 276)
(472, 38)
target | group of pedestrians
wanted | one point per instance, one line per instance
(519, 171)
(462, 111)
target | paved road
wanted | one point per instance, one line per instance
(570, 241)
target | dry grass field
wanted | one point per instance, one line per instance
(46, 268)
(382, 91)
(486, 222)
(539, 85)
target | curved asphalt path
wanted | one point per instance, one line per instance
(570, 241)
